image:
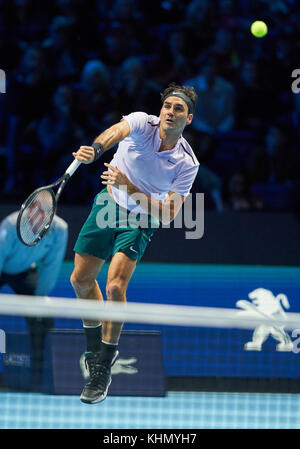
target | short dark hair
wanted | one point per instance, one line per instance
(189, 91)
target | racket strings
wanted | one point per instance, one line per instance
(36, 216)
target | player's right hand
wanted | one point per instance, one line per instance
(85, 154)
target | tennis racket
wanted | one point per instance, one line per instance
(37, 211)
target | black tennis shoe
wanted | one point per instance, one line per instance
(100, 377)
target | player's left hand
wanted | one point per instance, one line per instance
(114, 176)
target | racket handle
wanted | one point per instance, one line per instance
(73, 167)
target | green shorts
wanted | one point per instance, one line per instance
(110, 228)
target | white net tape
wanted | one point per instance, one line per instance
(134, 312)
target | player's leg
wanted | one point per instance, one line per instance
(83, 280)
(119, 274)
(93, 247)
(129, 247)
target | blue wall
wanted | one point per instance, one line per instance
(201, 351)
(230, 238)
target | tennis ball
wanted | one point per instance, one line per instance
(259, 28)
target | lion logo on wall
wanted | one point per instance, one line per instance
(263, 303)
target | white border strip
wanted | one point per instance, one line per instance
(138, 312)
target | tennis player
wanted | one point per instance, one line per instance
(33, 271)
(152, 159)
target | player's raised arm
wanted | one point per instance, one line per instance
(106, 140)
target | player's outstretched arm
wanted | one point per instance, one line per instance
(106, 140)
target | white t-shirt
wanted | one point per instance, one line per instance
(154, 173)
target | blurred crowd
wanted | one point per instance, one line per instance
(74, 67)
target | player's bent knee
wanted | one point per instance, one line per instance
(80, 280)
(115, 291)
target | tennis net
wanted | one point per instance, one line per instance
(179, 367)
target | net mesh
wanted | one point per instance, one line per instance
(179, 367)
(36, 215)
